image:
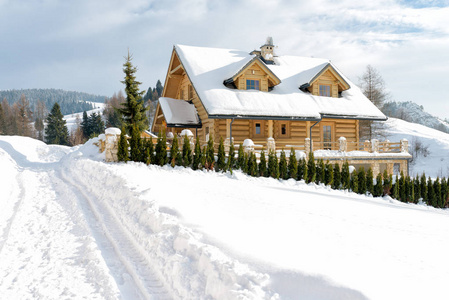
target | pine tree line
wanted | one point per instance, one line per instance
(403, 188)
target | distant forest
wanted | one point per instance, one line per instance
(70, 102)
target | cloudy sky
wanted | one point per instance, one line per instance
(80, 44)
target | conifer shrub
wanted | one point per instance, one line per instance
(221, 157)
(161, 149)
(273, 166)
(402, 188)
(149, 151)
(345, 176)
(444, 193)
(378, 188)
(311, 168)
(302, 170)
(210, 157)
(174, 150)
(370, 181)
(244, 167)
(292, 165)
(336, 184)
(410, 194)
(186, 152)
(423, 184)
(354, 182)
(395, 194)
(319, 170)
(361, 176)
(135, 144)
(283, 168)
(230, 165)
(203, 158)
(240, 157)
(417, 189)
(252, 164)
(262, 165)
(388, 183)
(430, 192)
(122, 151)
(328, 174)
(196, 161)
(437, 192)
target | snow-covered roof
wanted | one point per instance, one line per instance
(179, 113)
(208, 68)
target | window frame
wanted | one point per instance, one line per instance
(326, 88)
(252, 80)
(254, 133)
(287, 130)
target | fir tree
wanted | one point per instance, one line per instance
(210, 157)
(174, 150)
(370, 181)
(337, 177)
(197, 156)
(378, 188)
(231, 158)
(354, 182)
(311, 168)
(328, 174)
(186, 152)
(283, 168)
(302, 169)
(85, 126)
(221, 157)
(273, 166)
(263, 165)
(345, 176)
(122, 151)
(361, 176)
(292, 165)
(240, 157)
(133, 109)
(56, 131)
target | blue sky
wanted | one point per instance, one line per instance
(80, 45)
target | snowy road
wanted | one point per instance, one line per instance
(59, 241)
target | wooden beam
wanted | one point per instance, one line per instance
(176, 69)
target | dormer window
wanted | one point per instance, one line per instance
(252, 84)
(325, 90)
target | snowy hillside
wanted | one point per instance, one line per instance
(436, 162)
(72, 226)
(71, 119)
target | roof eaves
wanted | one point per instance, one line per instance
(352, 117)
(255, 117)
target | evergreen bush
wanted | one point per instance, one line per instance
(292, 165)
(354, 182)
(345, 176)
(263, 165)
(273, 166)
(336, 184)
(122, 151)
(186, 152)
(135, 144)
(240, 157)
(378, 188)
(210, 157)
(174, 151)
(311, 168)
(328, 174)
(197, 156)
(283, 168)
(230, 165)
(302, 169)
(370, 181)
(221, 157)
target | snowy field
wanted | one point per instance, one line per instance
(74, 227)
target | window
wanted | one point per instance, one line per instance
(252, 84)
(283, 129)
(257, 128)
(327, 137)
(325, 90)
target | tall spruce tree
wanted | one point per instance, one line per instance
(56, 131)
(292, 165)
(133, 109)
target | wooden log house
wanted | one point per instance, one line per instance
(300, 102)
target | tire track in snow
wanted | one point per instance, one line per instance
(111, 234)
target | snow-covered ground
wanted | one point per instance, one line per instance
(71, 119)
(436, 163)
(73, 226)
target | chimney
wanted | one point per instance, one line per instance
(266, 51)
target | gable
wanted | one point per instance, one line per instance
(328, 76)
(174, 77)
(255, 69)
